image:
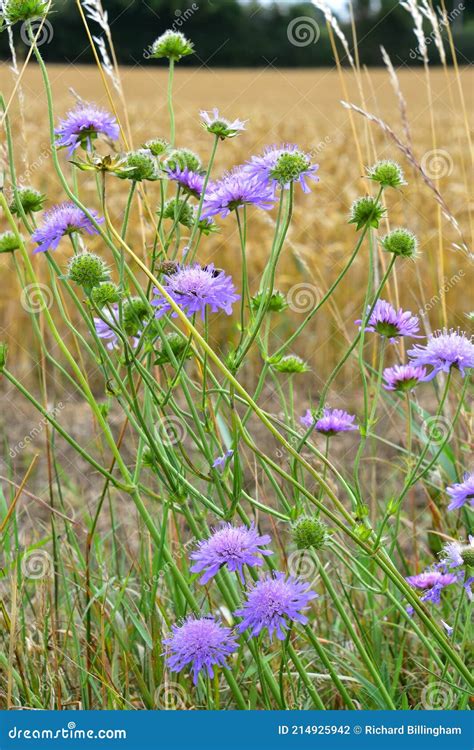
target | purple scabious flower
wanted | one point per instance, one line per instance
(194, 288)
(66, 218)
(461, 492)
(444, 350)
(201, 643)
(233, 190)
(234, 546)
(269, 167)
(104, 330)
(83, 124)
(331, 422)
(432, 582)
(271, 602)
(221, 460)
(190, 182)
(391, 323)
(403, 378)
(453, 553)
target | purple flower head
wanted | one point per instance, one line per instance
(194, 288)
(200, 642)
(432, 582)
(391, 323)
(444, 350)
(222, 460)
(234, 546)
(214, 123)
(83, 124)
(235, 189)
(453, 553)
(331, 423)
(190, 182)
(66, 218)
(281, 165)
(461, 492)
(271, 602)
(105, 331)
(403, 378)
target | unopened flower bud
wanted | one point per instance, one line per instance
(87, 270)
(310, 533)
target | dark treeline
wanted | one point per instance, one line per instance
(240, 34)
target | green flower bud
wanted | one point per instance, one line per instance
(30, 199)
(290, 166)
(289, 364)
(467, 554)
(135, 313)
(387, 173)
(180, 211)
(157, 146)
(401, 242)
(366, 211)
(277, 301)
(138, 166)
(310, 533)
(105, 294)
(177, 344)
(23, 10)
(87, 270)
(182, 158)
(8, 242)
(173, 45)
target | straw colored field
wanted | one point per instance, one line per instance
(288, 105)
